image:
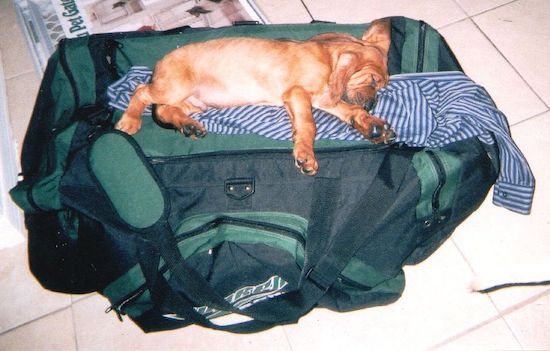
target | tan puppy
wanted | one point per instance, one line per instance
(335, 72)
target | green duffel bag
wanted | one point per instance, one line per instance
(176, 231)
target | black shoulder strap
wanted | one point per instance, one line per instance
(104, 56)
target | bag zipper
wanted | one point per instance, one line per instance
(174, 159)
(352, 283)
(421, 45)
(442, 179)
(273, 228)
(117, 308)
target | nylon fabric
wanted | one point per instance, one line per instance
(134, 193)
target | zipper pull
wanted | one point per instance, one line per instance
(117, 311)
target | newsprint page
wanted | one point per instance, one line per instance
(45, 22)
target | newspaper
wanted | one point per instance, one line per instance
(47, 21)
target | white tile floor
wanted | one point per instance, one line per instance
(501, 44)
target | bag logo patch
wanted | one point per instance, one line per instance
(243, 297)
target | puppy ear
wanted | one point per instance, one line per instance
(346, 65)
(379, 34)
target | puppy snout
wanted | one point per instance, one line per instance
(359, 97)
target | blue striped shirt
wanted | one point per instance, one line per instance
(424, 109)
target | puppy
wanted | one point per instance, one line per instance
(334, 72)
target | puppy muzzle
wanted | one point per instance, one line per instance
(365, 99)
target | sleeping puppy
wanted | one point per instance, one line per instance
(334, 72)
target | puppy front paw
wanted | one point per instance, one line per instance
(374, 129)
(381, 134)
(128, 124)
(304, 160)
(194, 131)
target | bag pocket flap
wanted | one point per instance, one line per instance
(121, 170)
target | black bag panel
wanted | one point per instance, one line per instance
(394, 237)
(68, 259)
(247, 274)
(200, 184)
(347, 295)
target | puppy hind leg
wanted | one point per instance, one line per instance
(176, 116)
(297, 102)
(130, 122)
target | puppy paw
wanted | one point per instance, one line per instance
(193, 130)
(374, 129)
(305, 161)
(128, 124)
(381, 134)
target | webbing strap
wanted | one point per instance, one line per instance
(359, 227)
(190, 282)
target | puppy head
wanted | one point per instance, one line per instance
(363, 84)
(362, 69)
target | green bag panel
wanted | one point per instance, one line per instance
(439, 173)
(198, 234)
(127, 180)
(79, 58)
(128, 187)
(157, 141)
(417, 46)
(420, 48)
(42, 194)
(20, 195)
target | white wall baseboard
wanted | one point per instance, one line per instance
(11, 223)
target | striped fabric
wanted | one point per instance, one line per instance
(436, 109)
(424, 109)
(120, 92)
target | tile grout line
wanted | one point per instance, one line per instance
(484, 323)
(508, 61)
(471, 19)
(24, 324)
(501, 315)
(75, 335)
(20, 74)
(51, 313)
(287, 339)
(467, 16)
(530, 118)
(487, 10)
